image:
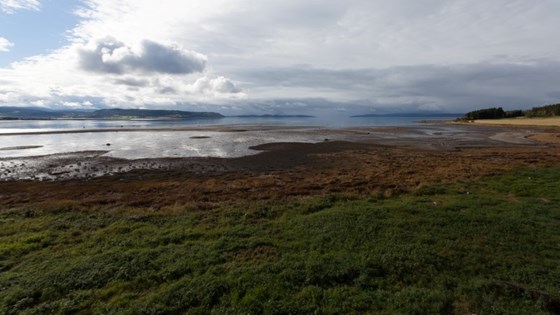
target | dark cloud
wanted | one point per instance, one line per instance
(93, 59)
(167, 90)
(112, 56)
(512, 85)
(132, 82)
(555, 95)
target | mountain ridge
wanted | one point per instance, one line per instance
(23, 113)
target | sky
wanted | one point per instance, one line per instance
(280, 56)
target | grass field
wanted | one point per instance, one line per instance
(484, 247)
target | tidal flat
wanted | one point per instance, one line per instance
(431, 219)
(91, 153)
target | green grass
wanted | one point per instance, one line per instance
(486, 247)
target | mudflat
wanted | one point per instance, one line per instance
(372, 164)
(434, 220)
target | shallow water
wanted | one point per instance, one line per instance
(148, 144)
(228, 142)
(84, 154)
(21, 126)
(137, 141)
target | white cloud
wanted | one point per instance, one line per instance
(429, 54)
(137, 79)
(333, 34)
(111, 56)
(38, 103)
(5, 44)
(219, 85)
(84, 104)
(10, 6)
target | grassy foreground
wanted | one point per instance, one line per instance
(487, 247)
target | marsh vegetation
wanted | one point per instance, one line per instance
(484, 246)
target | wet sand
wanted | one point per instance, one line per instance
(377, 162)
(96, 163)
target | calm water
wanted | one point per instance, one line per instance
(149, 144)
(18, 126)
(146, 143)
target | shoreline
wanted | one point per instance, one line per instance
(548, 122)
(281, 171)
(229, 128)
(430, 196)
(90, 164)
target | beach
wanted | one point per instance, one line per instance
(457, 212)
(363, 161)
(522, 121)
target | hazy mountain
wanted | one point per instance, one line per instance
(30, 113)
(274, 116)
(116, 113)
(150, 114)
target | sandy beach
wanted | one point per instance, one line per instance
(522, 121)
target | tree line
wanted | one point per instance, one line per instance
(499, 113)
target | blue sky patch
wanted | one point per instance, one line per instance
(37, 32)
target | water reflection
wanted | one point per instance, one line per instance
(146, 144)
(138, 139)
(19, 126)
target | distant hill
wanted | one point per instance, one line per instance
(118, 113)
(31, 113)
(274, 116)
(115, 113)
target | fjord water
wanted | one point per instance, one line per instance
(22, 126)
(137, 139)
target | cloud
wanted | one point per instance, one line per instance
(446, 87)
(10, 6)
(451, 55)
(77, 105)
(58, 80)
(5, 44)
(219, 85)
(114, 57)
(132, 82)
(167, 90)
